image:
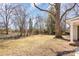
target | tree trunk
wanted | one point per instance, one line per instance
(57, 21)
(6, 30)
(20, 31)
(6, 26)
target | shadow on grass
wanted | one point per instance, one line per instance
(3, 46)
(7, 37)
(61, 53)
(62, 39)
(75, 43)
(65, 52)
(65, 39)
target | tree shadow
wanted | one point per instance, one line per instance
(7, 37)
(61, 53)
(66, 39)
(63, 38)
(76, 43)
(65, 52)
(3, 46)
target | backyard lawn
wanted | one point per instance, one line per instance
(36, 45)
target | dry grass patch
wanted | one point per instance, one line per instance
(34, 45)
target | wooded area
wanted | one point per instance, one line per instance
(17, 15)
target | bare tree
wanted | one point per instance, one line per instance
(39, 24)
(56, 14)
(20, 19)
(63, 21)
(6, 14)
(50, 23)
(76, 10)
(30, 26)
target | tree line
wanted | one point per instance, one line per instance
(17, 15)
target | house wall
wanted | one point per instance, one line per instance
(73, 32)
(74, 23)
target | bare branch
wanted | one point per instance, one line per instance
(77, 5)
(51, 4)
(13, 8)
(67, 11)
(43, 9)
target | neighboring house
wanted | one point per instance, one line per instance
(74, 28)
